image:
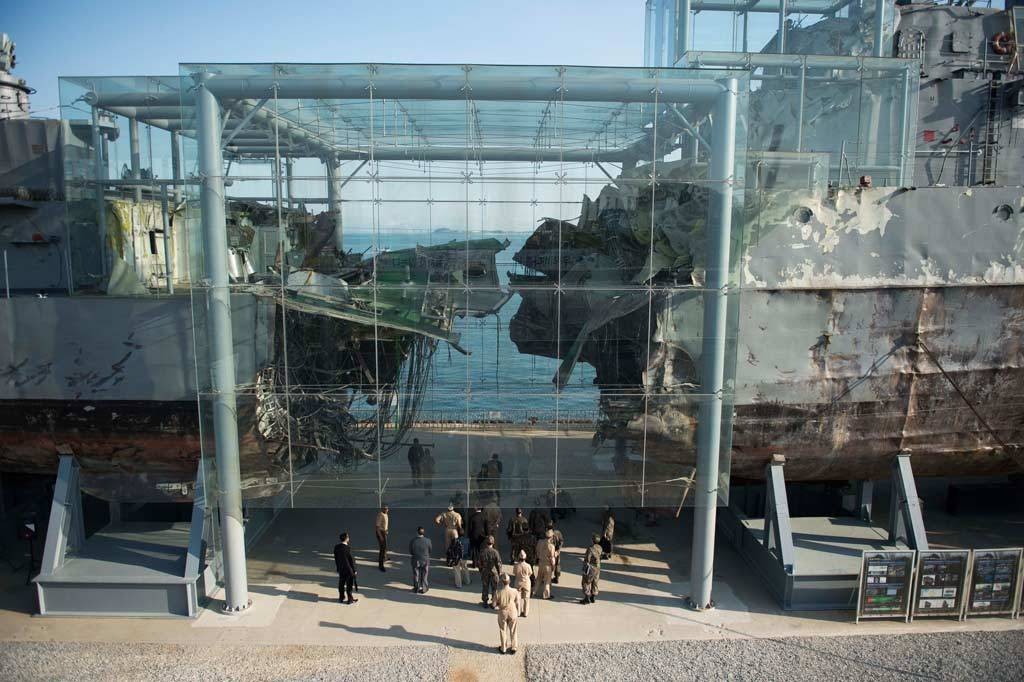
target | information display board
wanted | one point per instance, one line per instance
(941, 579)
(995, 582)
(886, 584)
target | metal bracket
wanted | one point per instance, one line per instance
(690, 128)
(66, 530)
(906, 523)
(865, 496)
(244, 122)
(778, 532)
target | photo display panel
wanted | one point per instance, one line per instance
(995, 575)
(941, 576)
(886, 579)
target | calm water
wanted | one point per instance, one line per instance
(502, 382)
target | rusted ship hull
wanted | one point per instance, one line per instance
(860, 328)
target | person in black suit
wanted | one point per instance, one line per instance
(346, 566)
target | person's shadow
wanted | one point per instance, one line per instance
(400, 632)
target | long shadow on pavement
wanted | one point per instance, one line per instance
(400, 632)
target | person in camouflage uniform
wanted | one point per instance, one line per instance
(519, 535)
(558, 540)
(489, 563)
(591, 571)
(607, 533)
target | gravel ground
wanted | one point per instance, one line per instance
(134, 661)
(990, 656)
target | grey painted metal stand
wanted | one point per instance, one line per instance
(778, 531)
(709, 426)
(865, 493)
(66, 531)
(124, 569)
(812, 563)
(906, 524)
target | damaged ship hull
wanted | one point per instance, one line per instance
(861, 327)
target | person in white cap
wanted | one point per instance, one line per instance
(506, 603)
(522, 571)
(451, 521)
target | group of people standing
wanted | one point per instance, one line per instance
(535, 554)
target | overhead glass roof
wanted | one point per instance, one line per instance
(420, 111)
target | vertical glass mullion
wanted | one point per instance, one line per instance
(468, 389)
(558, 281)
(650, 295)
(375, 228)
(282, 240)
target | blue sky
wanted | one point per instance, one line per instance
(72, 38)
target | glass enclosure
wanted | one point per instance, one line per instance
(129, 149)
(463, 283)
(442, 264)
(808, 27)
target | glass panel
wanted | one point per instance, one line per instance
(820, 27)
(118, 157)
(518, 261)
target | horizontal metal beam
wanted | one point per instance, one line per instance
(390, 153)
(146, 112)
(481, 88)
(426, 87)
(758, 6)
(748, 60)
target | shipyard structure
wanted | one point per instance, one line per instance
(792, 255)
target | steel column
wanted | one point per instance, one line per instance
(221, 345)
(334, 201)
(100, 173)
(659, 33)
(782, 27)
(683, 28)
(649, 33)
(879, 27)
(136, 156)
(670, 32)
(800, 107)
(905, 126)
(176, 165)
(168, 259)
(289, 172)
(721, 173)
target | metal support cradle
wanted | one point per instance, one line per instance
(778, 531)
(125, 568)
(906, 524)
